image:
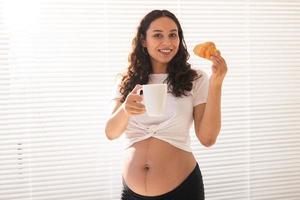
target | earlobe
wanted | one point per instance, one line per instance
(143, 41)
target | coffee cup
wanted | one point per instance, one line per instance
(155, 96)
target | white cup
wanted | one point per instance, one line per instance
(155, 96)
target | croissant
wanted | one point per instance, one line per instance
(205, 50)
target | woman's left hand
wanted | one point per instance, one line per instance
(219, 69)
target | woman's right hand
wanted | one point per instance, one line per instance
(132, 104)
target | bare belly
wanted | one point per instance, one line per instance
(153, 167)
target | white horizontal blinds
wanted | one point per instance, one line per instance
(13, 178)
(61, 71)
(225, 166)
(14, 147)
(57, 78)
(68, 87)
(274, 100)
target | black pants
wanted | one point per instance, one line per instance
(190, 189)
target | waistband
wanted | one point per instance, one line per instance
(167, 195)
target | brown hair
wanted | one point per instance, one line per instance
(180, 74)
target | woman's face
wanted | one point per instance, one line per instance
(162, 41)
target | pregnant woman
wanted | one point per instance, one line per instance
(158, 162)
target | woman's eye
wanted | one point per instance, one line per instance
(173, 35)
(157, 35)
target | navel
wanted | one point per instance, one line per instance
(146, 167)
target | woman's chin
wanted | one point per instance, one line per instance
(165, 60)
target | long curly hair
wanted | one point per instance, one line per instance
(180, 74)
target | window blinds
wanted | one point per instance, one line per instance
(59, 61)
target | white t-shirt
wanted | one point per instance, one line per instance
(173, 127)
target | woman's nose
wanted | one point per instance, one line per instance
(167, 41)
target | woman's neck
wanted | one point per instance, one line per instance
(159, 68)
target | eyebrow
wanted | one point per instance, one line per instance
(157, 30)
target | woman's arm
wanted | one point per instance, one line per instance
(118, 121)
(207, 117)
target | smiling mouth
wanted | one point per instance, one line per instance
(165, 51)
